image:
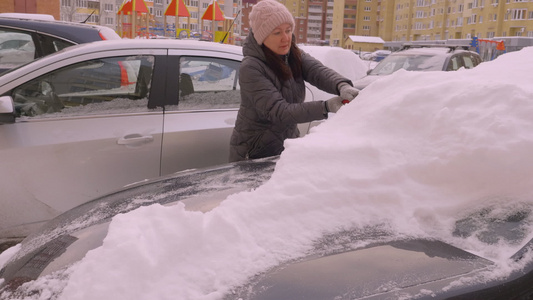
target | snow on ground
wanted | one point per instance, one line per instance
(414, 152)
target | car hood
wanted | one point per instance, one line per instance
(67, 238)
(379, 271)
(368, 263)
(410, 268)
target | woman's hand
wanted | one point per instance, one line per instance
(334, 104)
(347, 91)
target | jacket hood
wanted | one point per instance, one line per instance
(252, 48)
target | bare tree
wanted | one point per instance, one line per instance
(67, 10)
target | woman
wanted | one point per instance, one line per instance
(271, 79)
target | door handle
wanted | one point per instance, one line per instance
(135, 139)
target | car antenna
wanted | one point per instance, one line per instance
(88, 17)
(227, 32)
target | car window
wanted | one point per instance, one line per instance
(393, 63)
(469, 62)
(52, 44)
(100, 86)
(16, 48)
(60, 44)
(455, 63)
(208, 83)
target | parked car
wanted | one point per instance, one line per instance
(342, 266)
(86, 121)
(422, 58)
(25, 37)
(379, 55)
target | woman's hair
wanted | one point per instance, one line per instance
(281, 69)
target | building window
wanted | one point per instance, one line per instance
(108, 7)
(518, 14)
(472, 19)
(81, 3)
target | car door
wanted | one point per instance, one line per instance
(200, 116)
(84, 127)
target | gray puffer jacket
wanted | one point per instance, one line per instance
(270, 110)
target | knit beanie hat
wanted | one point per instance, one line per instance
(267, 15)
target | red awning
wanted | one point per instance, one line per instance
(179, 10)
(133, 5)
(213, 14)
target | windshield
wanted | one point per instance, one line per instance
(393, 63)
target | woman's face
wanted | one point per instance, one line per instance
(279, 40)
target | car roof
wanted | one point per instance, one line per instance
(425, 51)
(123, 44)
(74, 32)
(435, 51)
(144, 44)
(28, 16)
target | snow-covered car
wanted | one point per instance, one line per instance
(25, 37)
(422, 58)
(394, 197)
(95, 117)
(369, 263)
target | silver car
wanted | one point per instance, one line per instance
(422, 58)
(93, 118)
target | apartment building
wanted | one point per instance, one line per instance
(321, 21)
(414, 20)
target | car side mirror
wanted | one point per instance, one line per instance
(6, 110)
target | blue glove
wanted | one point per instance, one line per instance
(347, 92)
